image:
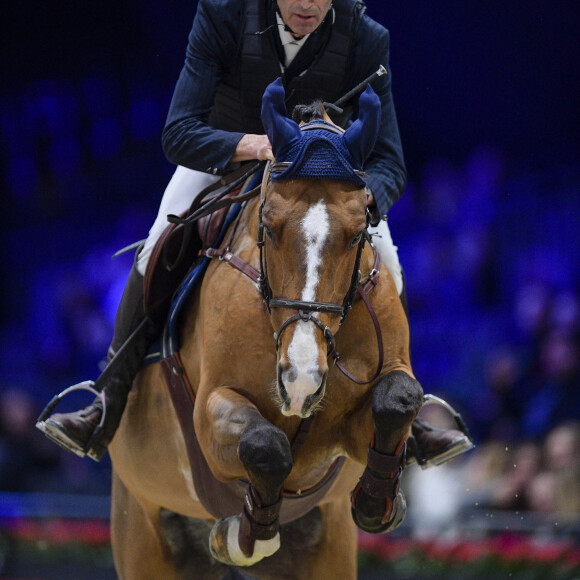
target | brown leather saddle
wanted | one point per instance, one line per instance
(177, 250)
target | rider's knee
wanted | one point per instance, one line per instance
(388, 253)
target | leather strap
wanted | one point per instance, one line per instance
(225, 255)
(381, 488)
(258, 522)
(183, 399)
(226, 202)
(203, 205)
(362, 292)
(382, 476)
(384, 463)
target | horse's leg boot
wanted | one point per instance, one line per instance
(377, 504)
(87, 432)
(257, 537)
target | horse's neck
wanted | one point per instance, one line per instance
(246, 234)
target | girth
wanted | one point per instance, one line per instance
(226, 499)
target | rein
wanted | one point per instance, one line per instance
(203, 206)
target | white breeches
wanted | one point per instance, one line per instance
(383, 242)
(179, 194)
(187, 183)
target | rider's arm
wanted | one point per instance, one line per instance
(385, 167)
(187, 138)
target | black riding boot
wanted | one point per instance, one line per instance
(429, 445)
(89, 431)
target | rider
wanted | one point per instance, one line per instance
(321, 49)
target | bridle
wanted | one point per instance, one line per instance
(306, 309)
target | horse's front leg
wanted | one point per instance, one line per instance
(377, 503)
(244, 444)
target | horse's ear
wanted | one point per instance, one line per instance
(361, 136)
(282, 131)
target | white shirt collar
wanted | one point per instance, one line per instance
(290, 44)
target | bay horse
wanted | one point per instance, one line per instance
(294, 452)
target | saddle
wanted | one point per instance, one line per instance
(198, 228)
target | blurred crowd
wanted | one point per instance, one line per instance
(489, 249)
(534, 482)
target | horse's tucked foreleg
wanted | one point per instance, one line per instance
(264, 451)
(377, 504)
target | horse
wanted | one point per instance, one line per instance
(311, 449)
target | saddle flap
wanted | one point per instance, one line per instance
(168, 265)
(210, 226)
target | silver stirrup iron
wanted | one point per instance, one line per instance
(50, 428)
(458, 447)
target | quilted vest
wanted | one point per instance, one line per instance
(238, 101)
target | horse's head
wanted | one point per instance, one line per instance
(312, 231)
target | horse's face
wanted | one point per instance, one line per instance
(312, 228)
(313, 215)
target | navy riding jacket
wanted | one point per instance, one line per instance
(214, 47)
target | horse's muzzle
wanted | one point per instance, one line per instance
(295, 399)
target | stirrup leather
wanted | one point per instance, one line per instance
(451, 452)
(58, 435)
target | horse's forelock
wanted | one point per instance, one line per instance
(308, 113)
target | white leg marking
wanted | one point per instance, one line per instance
(262, 548)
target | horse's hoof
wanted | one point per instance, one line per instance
(224, 545)
(374, 524)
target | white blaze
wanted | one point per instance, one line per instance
(303, 378)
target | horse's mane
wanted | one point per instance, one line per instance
(307, 113)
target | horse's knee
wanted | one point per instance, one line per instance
(397, 398)
(265, 452)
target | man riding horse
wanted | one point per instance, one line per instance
(321, 49)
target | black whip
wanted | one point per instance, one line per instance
(336, 106)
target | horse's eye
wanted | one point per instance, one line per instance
(355, 240)
(268, 232)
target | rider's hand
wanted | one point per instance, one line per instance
(253, 147)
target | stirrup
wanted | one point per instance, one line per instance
(458, 448)
(57, 435)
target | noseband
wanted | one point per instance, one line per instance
(305, 308)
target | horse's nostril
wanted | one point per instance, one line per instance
(311, 400)
(283, 392)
